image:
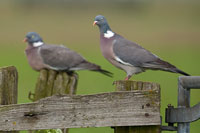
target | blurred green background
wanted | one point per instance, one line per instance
(170, 29)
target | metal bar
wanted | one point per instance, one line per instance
(175, 115)
(183, 102)
(190, 82)
(168, 128)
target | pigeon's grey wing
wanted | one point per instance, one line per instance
(60, 57)
(130, 53)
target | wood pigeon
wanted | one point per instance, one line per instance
(127, 55)
(56, 57)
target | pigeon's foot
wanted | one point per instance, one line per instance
(126, 78)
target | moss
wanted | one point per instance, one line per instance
(4, 109)
(150, 90)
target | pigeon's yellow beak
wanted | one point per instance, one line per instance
(95, 23)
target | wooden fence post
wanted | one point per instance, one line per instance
(51, 82)
(137, 85)
(8, 88)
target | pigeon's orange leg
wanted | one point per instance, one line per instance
(128, 77)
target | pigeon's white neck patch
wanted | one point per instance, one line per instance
(109, 34)
(37, 44)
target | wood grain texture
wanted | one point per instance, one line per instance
(8, 87)
(137, 129)
(139, 107)
(129, 85)
(50, 83)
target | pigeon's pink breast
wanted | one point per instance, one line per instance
(107, 50)
(34, 58)
(106, 47)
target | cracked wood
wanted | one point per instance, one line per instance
(138, 107)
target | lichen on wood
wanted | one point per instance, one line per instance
(114, 109)
(8, 85)
(150, 89)
(8, 88)
(51, 82)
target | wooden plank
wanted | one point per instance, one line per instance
(8, 87)
(137, 129)
(139, 85)
(139, 107)
(51, 82)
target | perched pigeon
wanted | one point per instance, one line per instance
(127, 55)
(56, 57)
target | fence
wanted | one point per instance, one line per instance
(184, 114)
(134, 107)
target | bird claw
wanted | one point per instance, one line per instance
(127, 78)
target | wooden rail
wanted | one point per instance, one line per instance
(135, 105)
(100, 110)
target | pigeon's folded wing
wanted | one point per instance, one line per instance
(60, 57)
(131, 53)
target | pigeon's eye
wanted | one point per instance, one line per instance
(32, 36)
(101, 18)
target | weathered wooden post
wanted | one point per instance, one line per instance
(125, 110)
(8, 87)
(51, 82)
(139, 85)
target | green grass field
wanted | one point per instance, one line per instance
(171, 30)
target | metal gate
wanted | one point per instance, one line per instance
(183, 115)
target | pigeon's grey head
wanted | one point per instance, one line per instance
(102, 23)
(100, 20)
(33, 37)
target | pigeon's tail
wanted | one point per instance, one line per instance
(97, 68)
(172, 68)
(105, 72)
(165, 66)
(176, 70)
